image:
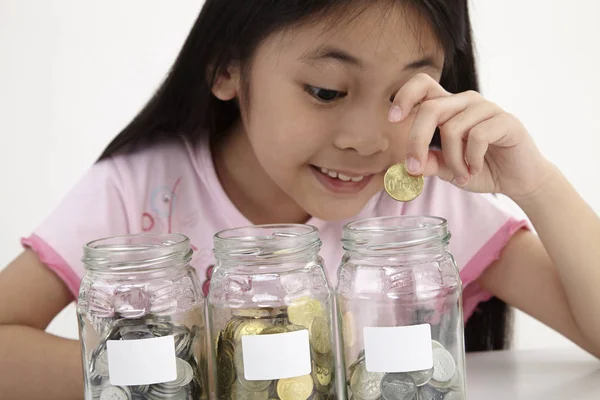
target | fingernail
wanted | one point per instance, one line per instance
(413, 165)
(461, 181)
(395, 114)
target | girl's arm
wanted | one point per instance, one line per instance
(35, 364)
(554, 278)
(485, 149)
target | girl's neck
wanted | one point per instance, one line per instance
(247, 184)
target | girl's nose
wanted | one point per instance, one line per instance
(367, 133)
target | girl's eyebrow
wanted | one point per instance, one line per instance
(333, 53)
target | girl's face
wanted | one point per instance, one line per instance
(318, 102)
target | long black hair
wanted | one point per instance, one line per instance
(229, 31)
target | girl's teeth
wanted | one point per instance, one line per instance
(343, 177)
(340, 176)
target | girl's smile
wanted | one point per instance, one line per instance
(342, 182)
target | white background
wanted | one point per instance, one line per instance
(73, 73)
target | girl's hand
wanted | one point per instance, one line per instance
(484, 148)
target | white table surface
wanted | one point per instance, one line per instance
(551, 374)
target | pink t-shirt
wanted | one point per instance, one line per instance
(173, 188)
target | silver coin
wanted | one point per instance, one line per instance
(421, 377)
(428, 392)
(444, 368)
(140, 389)
(453, 395)
(398, 386)
(115, 393)
(135, 332)
(101, 363)
(241, 393)
(185, 374)
(366, 385)
(436, 345)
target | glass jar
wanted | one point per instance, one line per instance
(141, 320)
(270, 313)
(399, 298)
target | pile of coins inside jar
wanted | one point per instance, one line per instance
(303, 314)
(187, 386)
(442, 382)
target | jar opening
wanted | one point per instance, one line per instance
(395, 234)
(137, 252)
(266, 241)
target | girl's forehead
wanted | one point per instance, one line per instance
(371, 37)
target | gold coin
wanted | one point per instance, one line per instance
(231, 327)
(303, 310)
(225, 372)
(274, 329)
(322, 360)
(319, 335)
(298, 388)
(402, 186)
(249, 327)
(295, 328)
(321, 376)
(252, 312)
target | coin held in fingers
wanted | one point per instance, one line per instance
(401, 185)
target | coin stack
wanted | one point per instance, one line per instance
(303, 313)
(442, 382)
(187, 386)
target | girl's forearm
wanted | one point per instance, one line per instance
(570, 232)
(38, 365)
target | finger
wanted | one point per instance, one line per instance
(454, 133)
(480, 137)
(431, 114)
(436, 166)
(418, 89)
(453, 150)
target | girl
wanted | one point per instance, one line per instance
(291, 111)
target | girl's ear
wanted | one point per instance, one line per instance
(227, 83)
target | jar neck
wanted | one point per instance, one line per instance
(404, 237)
(145, 253)
(267, 246)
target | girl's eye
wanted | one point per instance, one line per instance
(324, 95)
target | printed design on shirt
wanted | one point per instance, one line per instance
(162, 204)
(206, 283)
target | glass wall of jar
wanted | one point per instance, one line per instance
(399, 299)
(142, 320)
(271, 315)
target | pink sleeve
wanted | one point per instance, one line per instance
(93, 209)
(473, 294)
(481, 225)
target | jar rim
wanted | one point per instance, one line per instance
(265, 241)
(135, 252)
(389, 234)
(406, 223)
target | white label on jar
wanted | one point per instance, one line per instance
(398, 348)
(276, 356)
(141, 361)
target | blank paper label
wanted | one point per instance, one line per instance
(398, 348)
(276, 356)
(141, 362)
